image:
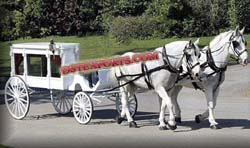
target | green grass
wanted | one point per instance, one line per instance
(93, 47)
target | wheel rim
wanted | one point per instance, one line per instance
(82, 108)
(132, 105)
(17, 97)
(62, 101)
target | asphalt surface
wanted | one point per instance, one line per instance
(43, 127)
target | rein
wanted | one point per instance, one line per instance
(146, 73)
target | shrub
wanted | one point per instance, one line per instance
(125, 28)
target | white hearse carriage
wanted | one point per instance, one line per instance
(37, 66)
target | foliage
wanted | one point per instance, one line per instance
(167, 18)
(243, 13)
(125, 28)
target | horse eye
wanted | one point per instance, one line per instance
(235, 44)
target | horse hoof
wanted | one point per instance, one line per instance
(172, 127)
(133, 124)
(178, 119)
(197, 118)
(163, 128)
(215, 127)
(119, 119)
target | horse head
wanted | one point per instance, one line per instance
(238, 46)
(191, 58)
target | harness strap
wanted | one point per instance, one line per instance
(146, 76)
(167, 62)
(211, 62)
(220, 78)
(195, 85)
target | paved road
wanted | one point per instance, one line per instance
(53, 130)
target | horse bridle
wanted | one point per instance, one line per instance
(166, 61)
(190, 67)
(235, 45)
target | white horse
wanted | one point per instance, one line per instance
(213, 60)
(155, 74)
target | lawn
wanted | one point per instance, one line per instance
(93, 47)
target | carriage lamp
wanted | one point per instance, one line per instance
(52, 47)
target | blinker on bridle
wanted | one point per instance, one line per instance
(189, 65)
(236, 45)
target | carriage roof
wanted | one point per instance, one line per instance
(69, 52)
(45, 46)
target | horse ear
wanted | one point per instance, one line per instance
(237, 30)
(197, 42)
(190, 43)
(242, 30)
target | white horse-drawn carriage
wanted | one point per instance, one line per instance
(35, 69)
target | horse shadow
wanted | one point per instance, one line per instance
(223, 123)
(108, 116)
(102, 116)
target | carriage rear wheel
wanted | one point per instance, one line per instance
(82, 108)
(62, 101)
(17, 97)
(132, 105)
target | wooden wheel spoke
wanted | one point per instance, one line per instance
(12, 87)
(18, 109)
(10, 94)
(22, 108)
(10, 99)
(67, 99)
(11, 105)
(23, 100)
(22, 95)
(11, 90)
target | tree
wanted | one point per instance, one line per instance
(243, 11)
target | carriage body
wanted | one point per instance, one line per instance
(36, 66)
(39, 67)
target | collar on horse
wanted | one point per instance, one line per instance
(211, 63)
(167, 63)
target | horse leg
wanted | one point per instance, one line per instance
(166, 101)
(211, 105)
(201, 117)
(177, 110)
(213, 123)
(125, 110)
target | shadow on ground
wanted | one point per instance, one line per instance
(223, 123)
(107, 116)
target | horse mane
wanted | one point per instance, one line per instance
(219, 37)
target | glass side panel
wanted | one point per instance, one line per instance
(19, 68)
(37, 65)
(55, 63)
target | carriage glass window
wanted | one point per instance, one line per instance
(19, 69)
(37, 65)
(55, 66)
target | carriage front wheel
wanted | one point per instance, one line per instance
(82, 108)
(17, 97)
(132, 105)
